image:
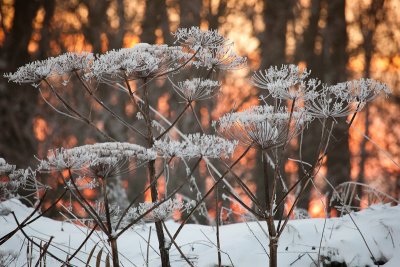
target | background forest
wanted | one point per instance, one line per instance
(338, 40)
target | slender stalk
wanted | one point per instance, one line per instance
(111, 238)
(82, 244)
(152, 177)
(79, 115)
(176, 245)
(101, 103)
(137, 197)
(217, 214)
(273, 238)
(114, 251)
(176, 120)
(209, 192)
(83, 202)
(35, 243)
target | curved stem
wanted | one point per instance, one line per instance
(101, 103)
(173, 123)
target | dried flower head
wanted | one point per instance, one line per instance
(141, 61)
(287, 82)
(196, 89)
(223, 58)
(162, 212)
(34, 72)
(11, 179)
(196, 145)
(196, 39)
(362, 90)
(332, 102)
(94, 156)
(263, 126)
(72, 61)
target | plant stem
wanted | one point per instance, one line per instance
(273, 238)
(114, 250)
(152, 176)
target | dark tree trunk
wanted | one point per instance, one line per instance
(306, 52)
(189, 13)
(97, 23)
(18, 103)
(335, 59)
(156, 16)
(276, 15)
(368, 21)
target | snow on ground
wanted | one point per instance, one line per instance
(242, 244)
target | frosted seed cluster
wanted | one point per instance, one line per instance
(196, 145)
(71, 61)
(141, 61)
(162, 212)
(196, 89)
(263, 126)
(37, 71)
(109, 153)
(12, 178)
(195, 38)
(286, 82)
(223, 58)
(212, 50)
(34, 72)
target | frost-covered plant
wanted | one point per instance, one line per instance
(109, 153)
(196, 89)
(197, 39)
(141, 61)
(268, 128)
(286, 82)
(263, 126)
(12, 179)
(195, 146)
(72, 61)
(343, 99)
(34, 72)
(162, 212)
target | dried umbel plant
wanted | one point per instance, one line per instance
(263, 126)
(13, 179)
(142, 64)
(297, 100)
(196, 89)
(141, 61)
(287, 82)
(195, 146)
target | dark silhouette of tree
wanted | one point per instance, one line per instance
(17, 104)
(368, 22)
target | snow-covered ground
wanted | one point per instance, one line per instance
(242, 244)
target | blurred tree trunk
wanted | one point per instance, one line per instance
(276, 16)
(96, 28)
(189, 14)
(307, 52)
(18, 103)
(335, 60)
(116, 39)
(44, 44)
(213, 18)
(156, 16)
(368, 21)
